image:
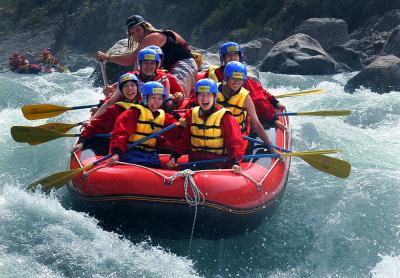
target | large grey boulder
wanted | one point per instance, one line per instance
(299, 54)
(329, 32)
(381, 76)
(392, 44)
(255, 50)
(351, 58)
(76, 61)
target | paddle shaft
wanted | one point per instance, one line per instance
(262, 143)
(300, 93)
(316, 113)
(250, 156)
(103, 74)
(81, 107)
(138, 142)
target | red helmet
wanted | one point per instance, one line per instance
(47, 51)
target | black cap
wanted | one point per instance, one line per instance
(133, 20)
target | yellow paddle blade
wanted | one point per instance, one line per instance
(300, 93)
(56, 180)
(42, 111)
(35, 135)
(309, 153)
(60, 127)
(336, 167)
(325, 113)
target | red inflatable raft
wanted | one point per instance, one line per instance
(219, 197)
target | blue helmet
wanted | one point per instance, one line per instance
(125, 78)
(157, 49)
(147, 54)
(152, 88)
(235, 70)
(206, 85)
(229, 47)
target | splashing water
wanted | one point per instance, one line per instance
(325, 227)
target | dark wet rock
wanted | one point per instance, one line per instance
(299, 54)
(351, 58)
(381, 76)
(94, 25)
(392, 44)
(329, 32)
(76, 61)
(371, 37)
(255, 50)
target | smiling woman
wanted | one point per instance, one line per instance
(211, 131)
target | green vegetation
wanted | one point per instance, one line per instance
(204, 22)
(27, 14)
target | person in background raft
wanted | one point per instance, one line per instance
(234, 97)
(148, 70)
(18, 63)
(211, 131)
(47, 58)
(128, 85)
(265, 103)
(139, 121)
(48, 61)
(178, 59)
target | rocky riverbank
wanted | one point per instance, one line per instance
(314, 46)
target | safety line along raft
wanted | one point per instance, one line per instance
(224, 199)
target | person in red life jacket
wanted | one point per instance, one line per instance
(48, 61)
(128, 86)
(265, 103)
(19, 63)
(139, 121)
(211, 131)
(178, 59)
(47, 58)
(148, 70)
(233, 96)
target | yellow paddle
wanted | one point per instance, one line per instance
(327, 164)
(57, 180)
(37, 135)
(43, 111)
(60, 127)
(334, 166)
(300, 93)
(330, 165)
(317, 113)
